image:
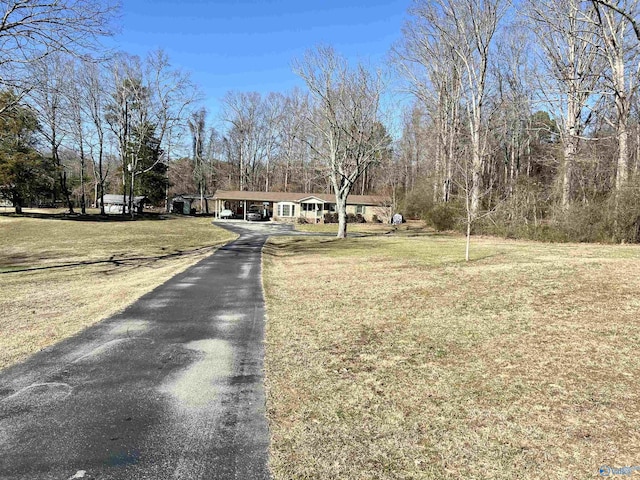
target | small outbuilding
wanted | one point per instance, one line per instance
(187, 204)
(115, 203)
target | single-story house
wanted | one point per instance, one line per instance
(114, 203)
(290, 206)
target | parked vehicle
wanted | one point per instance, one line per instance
(226, 213)
(254, 214)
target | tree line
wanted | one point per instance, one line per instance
(530, 113)
(518, 118)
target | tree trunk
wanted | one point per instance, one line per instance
(83, 199)
(637, 162)
(467, 203)
(17, 203)
(65, 191)
(570, 145)
(623, 153)
(101, 179)
(124, 189)
(569, 162)
(131, 190)
(476, 165)
(468, 240)
(341, 206)
(622, 123)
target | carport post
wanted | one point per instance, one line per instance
(244, 210)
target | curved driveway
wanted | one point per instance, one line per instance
(171, 388)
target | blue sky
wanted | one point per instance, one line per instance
(248, 45)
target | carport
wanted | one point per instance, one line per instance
(290, 206)
(240, 202)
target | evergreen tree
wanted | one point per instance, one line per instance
(25, 176)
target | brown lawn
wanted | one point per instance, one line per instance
(59, 276)
(390, 358)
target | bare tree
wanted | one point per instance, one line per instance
(197, 124)
(47, 95)
(566, 33)
(254, 134)
(629, 16)
(148, 100)
(294, 130)
(172, 95)
(621, 54)
(347, 103)
(127, 93)
(74, 92)
(30, 30)
(456, 37)
(92, 82)
(434, 75)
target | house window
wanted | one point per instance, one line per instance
(360, 209)
(310, 207)
(286, 210)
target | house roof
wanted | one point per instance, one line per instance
(116, 199)
(295, 197)
(190, 196)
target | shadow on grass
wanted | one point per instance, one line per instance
(92, 217)
(362, 245)
(113, 261)
(301, 245)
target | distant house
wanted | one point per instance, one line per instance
(289, 206)
(116, 203)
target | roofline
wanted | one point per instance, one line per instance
(311, 196)
(276, 197)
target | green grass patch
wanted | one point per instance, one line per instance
(59, 275)
(389, 357)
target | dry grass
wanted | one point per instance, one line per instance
(390, 358)
(59, 276)
(366, 228)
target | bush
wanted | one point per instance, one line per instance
(584, 222)
(444, 216)
(357, 218)
(330, 218)
(625, 219)
(351, 218)
(418, 203)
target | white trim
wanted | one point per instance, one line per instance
(311, 197)
(292, 209)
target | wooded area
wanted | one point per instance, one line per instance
(522, 120)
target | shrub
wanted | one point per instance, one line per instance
(444, 216)
(625, 214)
(418, 203)
(351, 218)
(330, 218)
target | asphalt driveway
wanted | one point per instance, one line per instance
(171, 388)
